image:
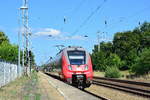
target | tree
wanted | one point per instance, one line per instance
(32, 60)
(3, 38)
(98, 60)
(114, 60)
(9, 52)
(126, 45)
(99, 57)
(145, 40)
(31, 55)
(145, 27)
(142, 65)
(124, 50)
(106, 48)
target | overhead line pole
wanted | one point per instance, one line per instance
(98, 38)
(22, 29)
(25, 41)
(18, 67)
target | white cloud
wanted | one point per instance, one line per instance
(76, 37)
(48, 31)
(57, 34)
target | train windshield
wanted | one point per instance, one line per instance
(76, 57)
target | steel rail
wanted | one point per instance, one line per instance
(124, 85)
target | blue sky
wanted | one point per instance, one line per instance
(46, 17)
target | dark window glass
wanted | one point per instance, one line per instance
(76, 57)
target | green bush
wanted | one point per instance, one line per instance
(9, 52)
(114, 60)
(142, 65)
(112, 72)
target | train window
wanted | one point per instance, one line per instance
(76, 57)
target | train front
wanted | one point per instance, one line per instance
(79, 70)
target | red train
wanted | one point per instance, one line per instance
(74, 66)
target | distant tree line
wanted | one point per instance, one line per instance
(129, 50)
(9, 52)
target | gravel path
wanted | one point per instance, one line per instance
(47, 90)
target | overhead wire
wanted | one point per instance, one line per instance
(79, 6)
(89, 17)
(74, 11)
(129, 17)
(124, 19)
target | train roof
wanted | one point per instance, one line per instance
(70, 48)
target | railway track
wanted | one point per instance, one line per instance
(100, 97)
(138, 88)
(90, 93)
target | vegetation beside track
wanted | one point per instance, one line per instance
(12, 91)
(9, 52)
(23, 88)
(129, 50)
(126, 75)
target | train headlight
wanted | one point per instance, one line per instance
(69, 67)
(86, 67)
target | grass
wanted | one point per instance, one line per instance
(98, 73)
(11, 90)
(26, 98)
(37, 96)
(31, 90)
(23, 88)
(125, 73)
(102, 74)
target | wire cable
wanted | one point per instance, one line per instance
(128, 17)
(88, 18)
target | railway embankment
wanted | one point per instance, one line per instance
(111, 93)
(35, 87)
(40, 86)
